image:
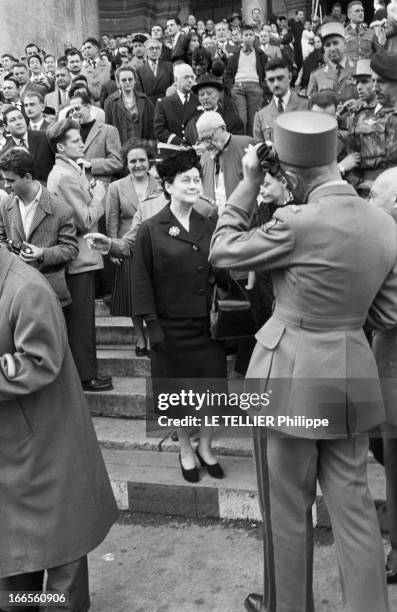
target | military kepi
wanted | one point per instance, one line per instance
(332, 28)
(306, 139)
(384, 64)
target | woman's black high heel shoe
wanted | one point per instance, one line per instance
(214, 470)
(191, 475)
(141, 351)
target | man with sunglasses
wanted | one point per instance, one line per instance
(278, 78)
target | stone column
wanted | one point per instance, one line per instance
(248, 5)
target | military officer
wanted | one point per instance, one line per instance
(361, 41)
(337, 74)
(334, 264)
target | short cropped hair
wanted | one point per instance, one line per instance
(31, 93)
(323, 99)
(19, 161)
(276, 63)
(35, 56)
(92, 41)
(8, 110)
(83, 94)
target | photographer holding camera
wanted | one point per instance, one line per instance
(334, 265)
(38, 226)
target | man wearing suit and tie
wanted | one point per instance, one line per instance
(155, 76)
(337, 74)
(173, 112)
(174, 29)
(157, 32)
(60, 97)
(35, 141)
(278, 78)
(33, 215)
(33, 104)
(96, 70)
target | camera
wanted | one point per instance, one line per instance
(18, 247)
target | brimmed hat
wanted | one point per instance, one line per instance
(384, 64)
(139, 38)
(332, 28)
(306, 139)
(206, 80)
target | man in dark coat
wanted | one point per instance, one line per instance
(209, 90)
(35, 141)
(173, 112)
(155, 76)
(56, 499)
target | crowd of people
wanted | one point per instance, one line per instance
(117, 159)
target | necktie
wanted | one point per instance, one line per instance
(23, 143)
(93, 63)
(154, 68)
(280, 106)
(186, 100)
(338, 70)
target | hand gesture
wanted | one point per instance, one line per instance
(97, 241)
(351, 161)
(251, 167)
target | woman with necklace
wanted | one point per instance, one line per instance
(123, 199)
(172, 290)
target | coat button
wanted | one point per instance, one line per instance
(200, 269)
(195, 247)
(201, 291)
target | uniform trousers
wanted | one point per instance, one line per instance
(287, 471)
(80, 323)
(71, 578)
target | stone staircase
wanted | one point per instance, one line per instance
(144, 470)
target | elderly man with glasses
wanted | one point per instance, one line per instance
(155, 76)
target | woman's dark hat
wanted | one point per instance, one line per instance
(176, 160)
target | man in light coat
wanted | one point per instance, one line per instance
(334, 264)
(68, 181)
(56, 500)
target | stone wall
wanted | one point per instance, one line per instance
(49, 23)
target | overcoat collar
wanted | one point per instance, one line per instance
(197, 229)
(93, 133)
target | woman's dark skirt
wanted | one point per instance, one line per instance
(122, 290)
(190, 360)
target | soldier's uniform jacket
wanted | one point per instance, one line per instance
(373, 133)
(332, 261)
(360, 42)
(326, 77)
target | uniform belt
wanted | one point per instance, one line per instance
(312, 322)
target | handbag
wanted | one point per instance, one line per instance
(231, 315)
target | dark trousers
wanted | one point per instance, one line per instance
(71, 578)
(80, 323)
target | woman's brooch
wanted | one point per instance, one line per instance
(174, 231)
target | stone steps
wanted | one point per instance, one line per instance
(127, 399)
(151, 482)
(114, 331)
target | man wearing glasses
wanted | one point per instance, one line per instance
(278, 78)
(155, 76)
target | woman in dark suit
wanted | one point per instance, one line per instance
(122, 202)
(172, 290)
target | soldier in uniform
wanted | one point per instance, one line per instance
(361, 41)
(334, 264)
(337, 74)
(373, 131)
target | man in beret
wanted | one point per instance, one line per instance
(208, 90)
(334, 265)
(361, 41)
(337, 74)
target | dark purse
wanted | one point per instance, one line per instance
(231, 315)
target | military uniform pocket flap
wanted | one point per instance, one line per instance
(271, 333)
